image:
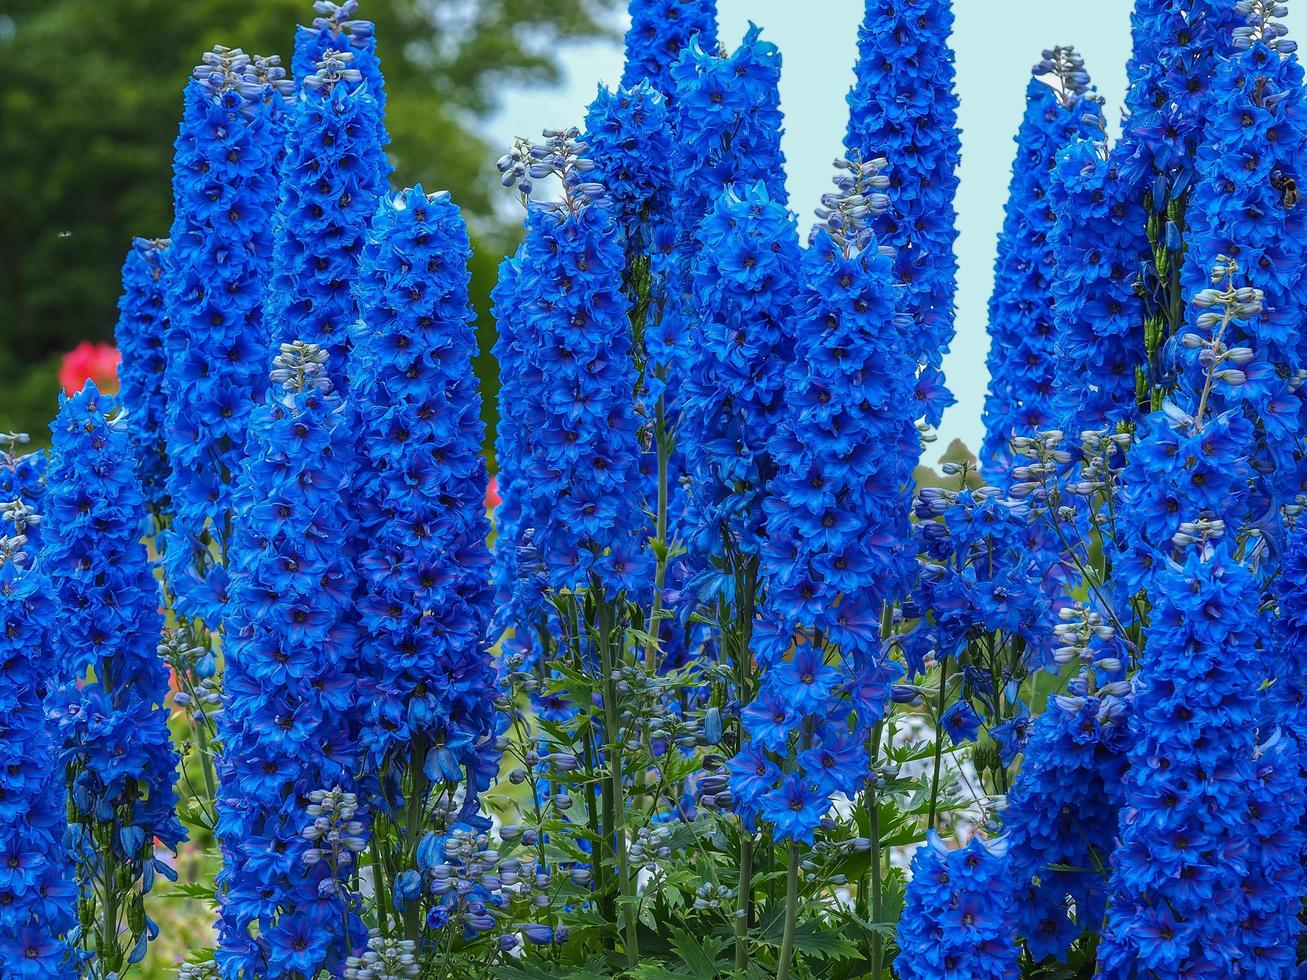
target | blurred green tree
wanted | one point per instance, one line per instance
(89, 103)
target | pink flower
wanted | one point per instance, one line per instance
(93, 362)
(493, 499)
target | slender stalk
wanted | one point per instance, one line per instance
(791, 914)
(614, 761)
(413, 826)
(664, 443)
(744, 901)
(873, 832)
(379, 883)
(939, 741)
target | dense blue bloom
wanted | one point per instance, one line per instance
(1273, 886)
(108, 715)
(659, 31)
(224, 191)
(957, 914)
(1061, 820)
(1098, 245)
(903, 108)
(628, 136)
(140, 334)
(37, 891)
(745, 283)
(337, 29)
(420, 488)
(1177, 45)
(1176, 906)
(1244, 206)
(1022, 354)
(332, 179)
(981, 574)
(290, 675)
(574, 429)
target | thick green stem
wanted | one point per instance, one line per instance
(873, 832)
(939, 741)
(615, 778)
(791, 914)
(413, 827)
(744, 901)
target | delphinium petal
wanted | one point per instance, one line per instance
(659, 31)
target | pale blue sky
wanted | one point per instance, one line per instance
(996, 42)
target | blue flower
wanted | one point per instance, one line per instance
(659, 31)
(224, 193)
(794, 809)
(36, 880)
(332, 179)
(961, 722)
(108, 711)
(427, 598)
(290, 680)
(957, 914)
(1061, 820)
(1195, 716)
(1022, 355)
(141, 334)
(903, 108)
(336, 28)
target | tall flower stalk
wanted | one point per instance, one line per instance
(38, 911)
(429, 725)
(290, 684)
(224, 191)
(107, 713)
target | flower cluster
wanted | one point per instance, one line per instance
(1244, 206)
(660, 30)
(627, 135)
(1022, 355)
(1061, 820)
(224, 190)
(107, 716)
(903, 108)
(570, 367)
(140, 335)
(420, 488)
(1176, 878)
(1098, 248)
(332, 179)
(958, 912)
(745, 285)
(290, 678)
(984, 570)
(337, 29)
(37, 890)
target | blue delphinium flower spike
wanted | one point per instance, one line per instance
(1022, 357)
(140, 334)
(39, 889)
(22, 487)
(108, 713)
(903, 108)
(331, 181)
(957, 913)
(421, 487)
(290, 676)
(660, 30)
(337, 28)
(224, 192)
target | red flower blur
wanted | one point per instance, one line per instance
(88, 361)
(493, 499)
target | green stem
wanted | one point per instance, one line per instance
(379, 882)
(413, 825)
(744, 901)
(791, 914)
(663, 441)
(877, 885)
(939, 741)
(614, 761)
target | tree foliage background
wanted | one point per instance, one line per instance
(90, 99)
